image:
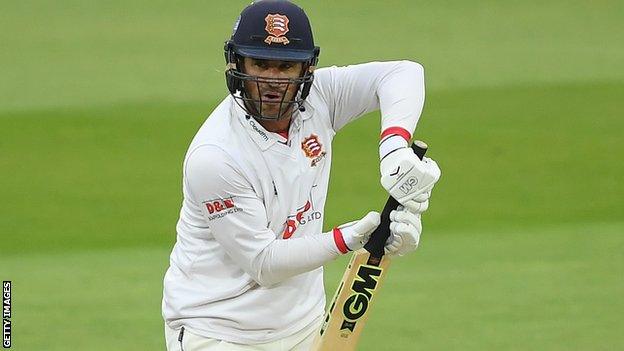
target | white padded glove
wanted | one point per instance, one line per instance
(353, 235)
(405, 229)
(408, 179)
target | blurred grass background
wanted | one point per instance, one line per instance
(523, 244)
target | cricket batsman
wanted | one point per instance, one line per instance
(246, 271)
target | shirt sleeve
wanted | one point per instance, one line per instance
(237, 219)
(397, 88)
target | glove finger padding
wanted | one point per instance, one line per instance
(368, 223)
(423, 197)
(393, 244)
(417, 207)
(405, 217)
(355, 234)
(346, 225)
(405, 229)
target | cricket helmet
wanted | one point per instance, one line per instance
(270, 30)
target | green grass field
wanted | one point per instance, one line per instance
(523, 247)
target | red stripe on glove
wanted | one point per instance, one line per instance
(396, 131)
(339, 240)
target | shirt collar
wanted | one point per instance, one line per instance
(258, 134)
(263, 138)
(301, 115)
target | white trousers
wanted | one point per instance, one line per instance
(301, 341)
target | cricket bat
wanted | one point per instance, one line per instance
(350, 306)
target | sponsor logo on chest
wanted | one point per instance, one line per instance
(301, 217)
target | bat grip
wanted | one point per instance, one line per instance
(378, 238)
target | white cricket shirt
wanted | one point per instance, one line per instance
(247, 263)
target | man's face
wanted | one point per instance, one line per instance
(270, 90)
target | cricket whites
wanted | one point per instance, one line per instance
(350, 306)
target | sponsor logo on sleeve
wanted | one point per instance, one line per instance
(219, 208)
(276, 27)
(313, 149)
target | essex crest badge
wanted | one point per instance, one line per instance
(277, 27)
(313, 149)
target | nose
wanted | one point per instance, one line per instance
(274, 77)
(274, 84)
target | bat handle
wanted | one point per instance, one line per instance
(378, 238)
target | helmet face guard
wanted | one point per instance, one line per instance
(239, 84)
(276, 31)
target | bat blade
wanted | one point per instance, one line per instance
(360, 284)
(348, 310)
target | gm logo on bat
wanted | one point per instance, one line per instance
(363, 287)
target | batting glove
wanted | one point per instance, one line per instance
(405, 229)
(407, 178)
(353, 235)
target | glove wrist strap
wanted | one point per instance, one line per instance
(339, 240)
(391, 143)
(404, 133)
